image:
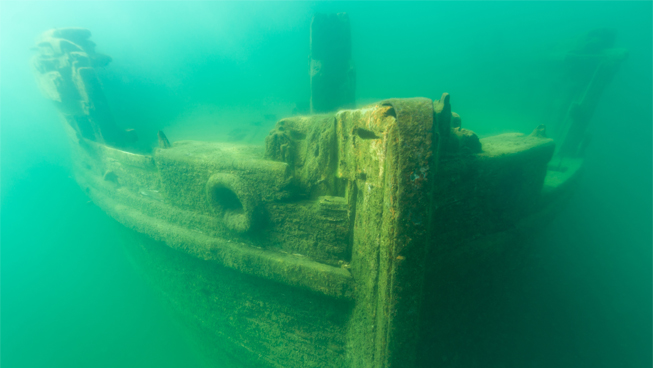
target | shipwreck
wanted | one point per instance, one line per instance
(336, 242)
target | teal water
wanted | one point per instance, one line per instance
(70, 296)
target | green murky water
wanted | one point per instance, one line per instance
(206, 70)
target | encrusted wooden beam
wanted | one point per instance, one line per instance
(331, 69)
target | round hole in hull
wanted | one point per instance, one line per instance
(231, 201)
(226, 200)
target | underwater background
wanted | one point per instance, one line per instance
(228, 70)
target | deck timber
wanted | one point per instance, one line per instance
(334, 244)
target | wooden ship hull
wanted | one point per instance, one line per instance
(337, 243)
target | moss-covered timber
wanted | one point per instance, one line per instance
(331, 70)
(333, 245)
(355, 238)
(64, 67)
(354, 217)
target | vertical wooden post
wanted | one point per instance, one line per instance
(588, 70)
(331, 70)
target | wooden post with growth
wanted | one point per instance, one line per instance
(588, 69)
(331, 69)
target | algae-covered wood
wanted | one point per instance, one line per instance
(330, 245)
